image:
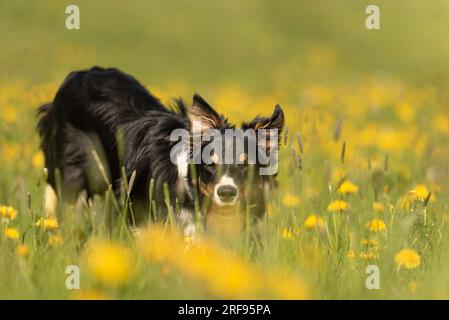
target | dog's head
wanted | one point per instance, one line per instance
(235, 166)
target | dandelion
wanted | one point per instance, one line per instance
(347, 187)
(313, 221)
(378, 207)
(22, 250)
(289, 233)
(290, 200)
(351, 254)
(406, 202)
(8, 212)
(12, 233)
(369, 242)
(48, 223)
(368, 256)
(108, 263)
(224, 273)
(38, 160)
(441, 123)
(421, 192)
(338, 205)
(55, 240)
(9, 114)
(376, 225)
(407, 258)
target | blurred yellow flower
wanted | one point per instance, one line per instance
(8, 212)
(406, 202)
(48, 223)
(338, 205)
(368, 256)
(289, 233)
(290, 200)
(350, 254)
(221, 271)
(108, 263)
(22, 250)
(441, 123)
(38, 160)
(378, 207)
(348, 187)
(9, 114)
(55, 240)
(421, 192)
(407, 258)
(313, 221)
(405, 111)
(369, 242)
(376, 225)
(12, 233)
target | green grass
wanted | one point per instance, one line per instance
(314, 58)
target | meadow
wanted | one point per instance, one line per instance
(363, 175)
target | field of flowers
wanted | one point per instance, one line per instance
(363, 181)
(364, 165)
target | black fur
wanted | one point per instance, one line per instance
(102, 109)
(91, 106)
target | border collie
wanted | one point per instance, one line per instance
(105, 119)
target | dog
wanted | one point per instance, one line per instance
(104, 126)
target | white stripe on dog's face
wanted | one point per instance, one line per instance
(229, 182)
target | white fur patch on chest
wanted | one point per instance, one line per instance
(182, 162)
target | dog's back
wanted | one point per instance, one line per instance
(86, 114)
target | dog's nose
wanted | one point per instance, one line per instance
(227, 193)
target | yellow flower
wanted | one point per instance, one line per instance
(55, 240)
(313, 221)
(290, 200)
(48, 223)
(405, 111)
(421, 192)
(12, 233)
(9, 114)
(348, 187)
(368, 256)
(338, 205)
(222, 272)
(369, 242)
(406, 202)
(109, 263)
(441, 123)
(38, 160)
(289, 233)
(351, 254)
(8, 212)
(22, 250)
(407, 258)
(376, 225)
(378, 207)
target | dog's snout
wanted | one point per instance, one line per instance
(227, 193)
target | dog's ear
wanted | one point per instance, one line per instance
(202, 116)
(275, 122)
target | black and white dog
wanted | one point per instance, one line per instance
(103, 118)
